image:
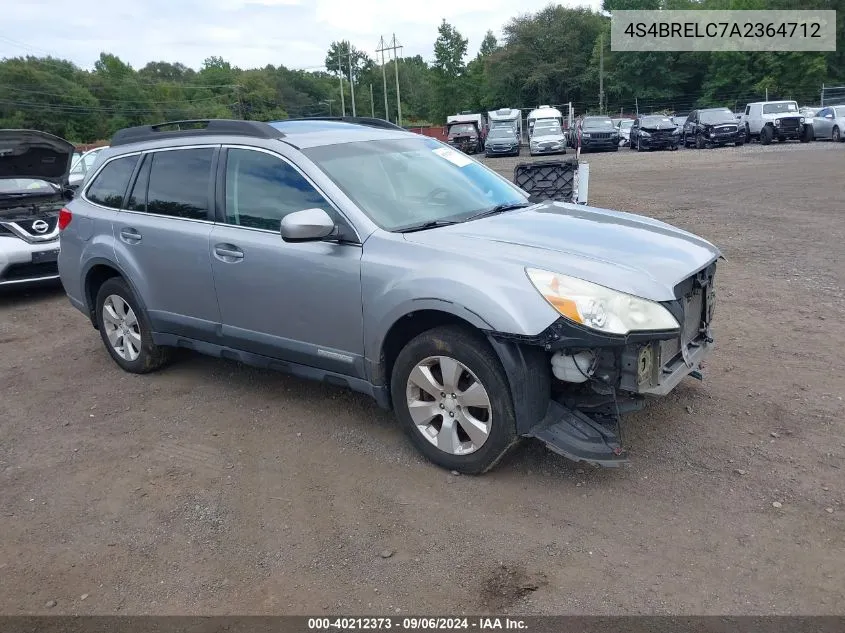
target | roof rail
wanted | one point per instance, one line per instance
(196, 127)
(357, 120)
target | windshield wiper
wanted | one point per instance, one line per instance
(431, 224)
(499, 208)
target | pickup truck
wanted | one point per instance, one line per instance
(769, 120)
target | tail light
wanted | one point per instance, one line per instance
(65, 216)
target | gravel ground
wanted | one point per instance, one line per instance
(215, 488)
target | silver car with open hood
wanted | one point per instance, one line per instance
(34, 170)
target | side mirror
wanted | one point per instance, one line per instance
(828, 116)
(306, 225)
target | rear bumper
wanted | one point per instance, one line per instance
(22, 263)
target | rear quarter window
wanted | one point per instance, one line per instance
(109, 186)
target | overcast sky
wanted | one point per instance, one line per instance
(247, 33)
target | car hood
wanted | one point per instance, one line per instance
(34, 154)
(627, 252)
(547, 137)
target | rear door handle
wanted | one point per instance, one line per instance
(228, 253)
(130, 235)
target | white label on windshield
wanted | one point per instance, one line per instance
(456, 158)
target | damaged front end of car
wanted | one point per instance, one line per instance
(589, 378)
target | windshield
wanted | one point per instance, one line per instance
(776, 108)
(624, 125)
(598, 124)
(406, 182)
(717, 116)
(501, 132)
(461, 128)
(547, 129)
(26, 186)
(654, 121)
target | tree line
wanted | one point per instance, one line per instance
(549, 57)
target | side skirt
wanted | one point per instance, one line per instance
(379, 394)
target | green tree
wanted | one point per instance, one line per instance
(450, 48)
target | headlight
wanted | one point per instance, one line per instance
(777, 122)
(585, 135)
(645, 134)
(712, 134)
(802, 119)
(600, 308)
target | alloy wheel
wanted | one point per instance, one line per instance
(122, 327)
(448, 405)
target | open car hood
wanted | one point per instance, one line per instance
(34, 154)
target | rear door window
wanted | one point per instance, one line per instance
(180, 183)
(109, 186)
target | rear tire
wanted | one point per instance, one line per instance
(125, 329)
(420, 382)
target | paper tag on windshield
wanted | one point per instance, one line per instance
(456, 158)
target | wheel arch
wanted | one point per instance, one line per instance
(97, 272)
(527, 369)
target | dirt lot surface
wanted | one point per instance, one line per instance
(216, 488)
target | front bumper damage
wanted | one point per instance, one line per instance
(582, 421)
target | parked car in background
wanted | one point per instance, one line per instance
(829, 123)
(30, 201)
(595, 133)
(654, 131)
(465, 136)
(712, 127)
(82, 165)
(625, 131)
(679, 120)
(389, 263)
(502, 141)
(781, 120)
(547, 138)
(808, 112)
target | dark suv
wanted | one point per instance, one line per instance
(712, 127)
(597, 133)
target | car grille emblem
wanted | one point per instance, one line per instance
(40, 226)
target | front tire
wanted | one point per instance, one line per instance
(836, 135)
(451, 396)
(766, 135)
(125, 329)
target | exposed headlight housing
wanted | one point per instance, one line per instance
(600, 308)
(645, 134)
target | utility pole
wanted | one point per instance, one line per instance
(396, 68)
(767, 94)
(637, 106)
(821, 102)
(340, 76)
(372, 104)
(351, 83)
(381, 49)
(601, 73)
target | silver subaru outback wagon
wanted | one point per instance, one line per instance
(353, 252)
